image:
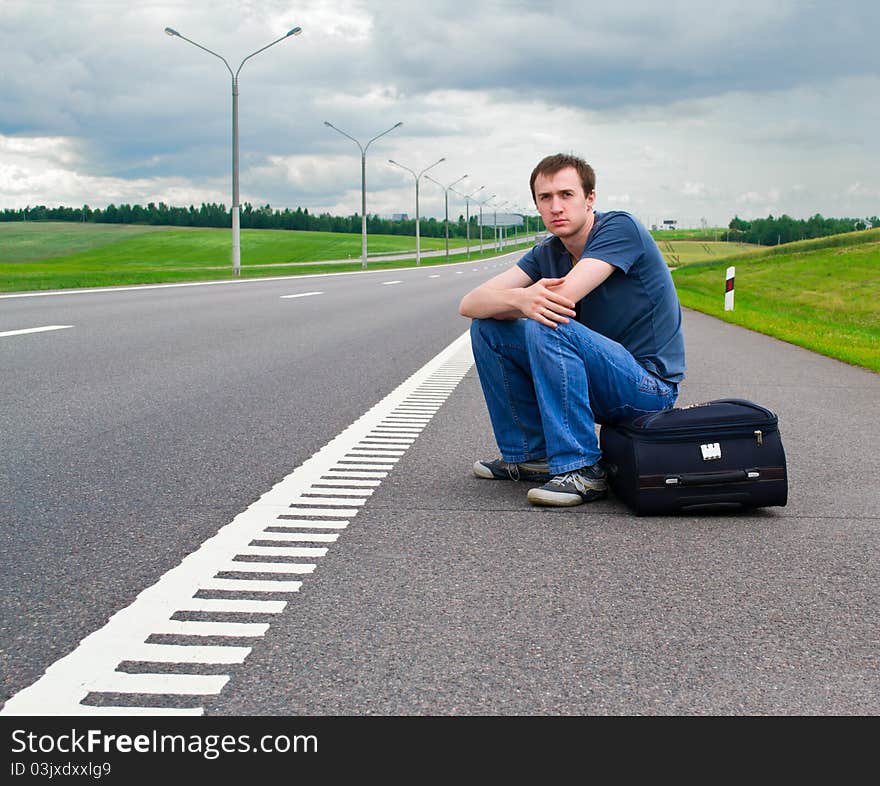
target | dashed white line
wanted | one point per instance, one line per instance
(34, 330)
(245, 556)
(386, 283)
(301, 294)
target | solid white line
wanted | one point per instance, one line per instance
(283, 551)
(299, 537)
(240, 606)
(201, 628)
(286, 568)
(346, 491)
(301, 294)
(92, 666)
(305, 500)
(175, 684)
(242, 585)
(356, 484)
(34, 330)
(300, 523)
(331, 512)
(177, 653)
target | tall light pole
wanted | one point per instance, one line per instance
(467, 217)
(236, 226)
(363, 183)
(417, 177)
(487, 199)
(446, 201)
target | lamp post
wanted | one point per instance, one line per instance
(467, 218)
(446, 201)
(363, 149)
(487, 199)
(236, 227)
(417, 177)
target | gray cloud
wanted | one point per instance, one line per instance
(663, 97)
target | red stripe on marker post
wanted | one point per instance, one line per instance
(728, 289)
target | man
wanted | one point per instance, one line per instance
(584, 329)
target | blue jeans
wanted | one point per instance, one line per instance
(546, 389)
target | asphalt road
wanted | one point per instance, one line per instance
(133, 436)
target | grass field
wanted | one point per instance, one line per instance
(687, 252)
(35, 256)
(821, 295)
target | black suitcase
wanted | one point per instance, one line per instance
(722, 454)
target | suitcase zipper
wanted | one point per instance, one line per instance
(708, 478)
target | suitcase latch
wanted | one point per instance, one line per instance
(759, 435)
(711, 451)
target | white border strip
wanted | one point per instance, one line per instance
(34, 330)
(309, 498)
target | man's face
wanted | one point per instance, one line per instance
(561, 201)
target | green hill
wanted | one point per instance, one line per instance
(821, 294)
(55, 255)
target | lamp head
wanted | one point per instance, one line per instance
(294, 31)
(171, 31)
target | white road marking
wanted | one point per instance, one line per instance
(386, 283)
(310, 498)
(34, 330)
(436, 275)
(301, 294)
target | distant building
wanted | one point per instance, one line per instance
(669, 223)
(400, 216)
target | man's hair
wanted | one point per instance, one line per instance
(553, 164)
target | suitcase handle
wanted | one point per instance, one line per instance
(707, 478)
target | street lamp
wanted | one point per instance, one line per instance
(446, 201)
(363, 183)
(236, 227)
(467, 218)
(417, 177)
(487, 199)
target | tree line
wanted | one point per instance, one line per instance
(771, 231)
(762, 231)
(250, 217)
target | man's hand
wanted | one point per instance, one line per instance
(544, 303)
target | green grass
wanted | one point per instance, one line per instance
(37, 256)
(823, 295)
(688, 252)
(710, 233)
(27, 241)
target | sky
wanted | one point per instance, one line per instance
(691, 111)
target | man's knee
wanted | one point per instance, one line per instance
(538, 335)
(492, 332)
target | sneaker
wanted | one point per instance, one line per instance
(572, 488)
(499, 469)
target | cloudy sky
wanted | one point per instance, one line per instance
(687, 110)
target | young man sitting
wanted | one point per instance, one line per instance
(584, 329)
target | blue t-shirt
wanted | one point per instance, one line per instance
(637, 305)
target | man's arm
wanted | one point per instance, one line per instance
(584, 277)
(512, 294)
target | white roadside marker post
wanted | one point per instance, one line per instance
(728, 289)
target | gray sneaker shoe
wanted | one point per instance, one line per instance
(572, 488)
(499, 469)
